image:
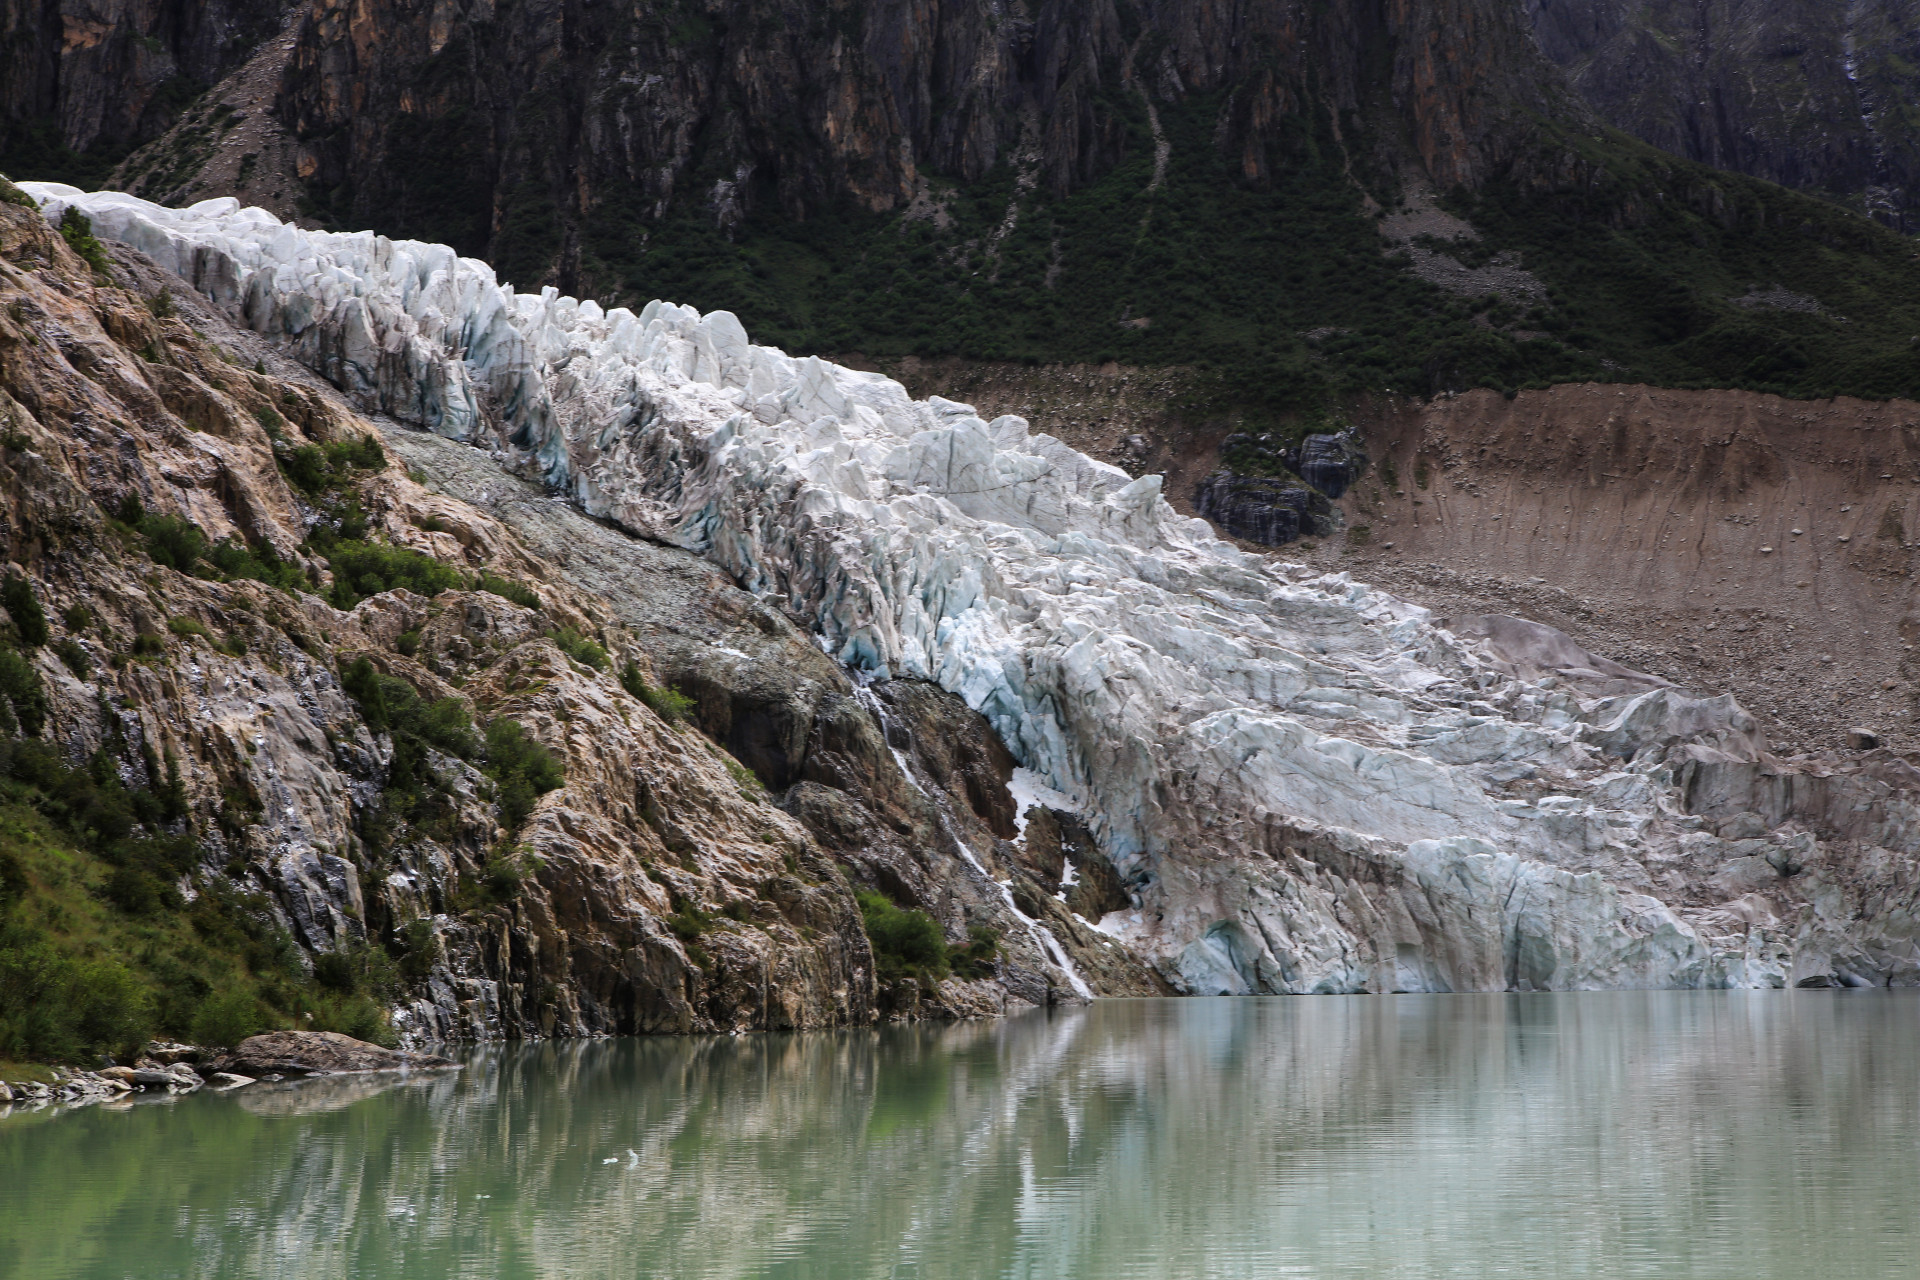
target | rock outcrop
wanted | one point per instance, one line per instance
(1270, 510)
(1805, 94)
(100, 78)
(317, 1053)
(1300, 783)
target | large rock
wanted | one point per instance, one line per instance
(316, 1053)
(1272, 511)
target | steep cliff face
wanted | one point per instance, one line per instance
(1806, 93)
(509, 131)
(1076, 181)
(87, 82)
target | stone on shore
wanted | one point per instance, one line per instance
(316, 1053)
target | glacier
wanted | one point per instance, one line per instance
(1308, 785)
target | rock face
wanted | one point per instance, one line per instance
(1721, 539)
(1300, 783)
(1264, 509)
(1329, 463)
(316, 1053)
(103, 77)
(600, 119)
(1803, 93)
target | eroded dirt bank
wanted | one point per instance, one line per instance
(1723, 539)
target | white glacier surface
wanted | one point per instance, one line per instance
(1305, 782)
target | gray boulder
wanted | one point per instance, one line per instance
(316, 1053)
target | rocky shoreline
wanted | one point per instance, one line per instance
(172, 1069)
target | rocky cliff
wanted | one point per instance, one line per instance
(86, 83)
(1312, 203)
(1263, 778)
(511, 132)
(723, 786)
(1811, 94)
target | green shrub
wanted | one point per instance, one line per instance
(518, 592)
(73, 657)
(522, 770)
(688, 922)
(23, 701)
(227, 1017)
(390, 703)
(161, 304)
(78, 618)
(57, 1005)
(77, 230)
(232, 559)
(905, 942)
(669, 703)
(29, 620)
(10, 194)
(189, 627)
(579, 648)
(357, 969)
(171, 541)
(979, 958)
(414, 792)
(362, 569)
(506, 874)
(423, 949)
(317, 470)
(148, 643)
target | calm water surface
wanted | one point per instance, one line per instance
(1686, 1134)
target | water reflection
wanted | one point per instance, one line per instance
(1647, 1133)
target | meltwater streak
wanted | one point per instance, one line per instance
(1043, 938)
(1680, 1135)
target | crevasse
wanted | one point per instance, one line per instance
(1296, 773)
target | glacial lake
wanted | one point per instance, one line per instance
(1670, 1134)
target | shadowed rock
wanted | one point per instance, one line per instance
(1263, 509)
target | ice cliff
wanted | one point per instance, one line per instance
(1306, 783)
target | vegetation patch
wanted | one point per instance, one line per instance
(1279, 298)
(415, 792)
(362, 569)
(77, 230)
(586, 652)
(669, 703)
(909, 943)
(321, 470)
(98, 950)
(181, 545)
(522, 770)
(518, 592)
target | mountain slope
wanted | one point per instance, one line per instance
(85, 84)
(300, 717)
(1290, 205)
(1809, 93)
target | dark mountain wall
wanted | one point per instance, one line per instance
(1818, 94)
(1297, 203)
(477, 121)
(85, 81)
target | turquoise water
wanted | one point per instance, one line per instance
(1683, 1134)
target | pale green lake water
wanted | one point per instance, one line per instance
(1683, 1134)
